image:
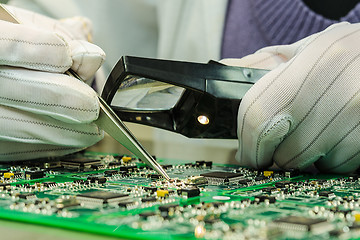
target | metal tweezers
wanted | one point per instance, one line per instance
(108, 120)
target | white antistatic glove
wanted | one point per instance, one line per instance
(307, 109)
(44, 112)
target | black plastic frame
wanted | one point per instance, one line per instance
(213, 90)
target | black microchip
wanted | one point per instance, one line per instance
(166, 166)
(168, 208)
(149, 199)
(154, 176)
(222, 177)
(102, 197)
(218, 204)
(49, 184)
(34, 174)
(268, 189)
(260, 178)
(4, 186)
(126, 204)
(244, 181)
(150, 189)
(299, 223)
(110, 173)
(325, 193)
(128, 168)
(283, 184)
(262, 198)
(79, 163)
(79, 181)
(18, 174)
(189, 192)
(26, 195)
(200, 163)
(96, 167)
(147, 214)
(208, 164)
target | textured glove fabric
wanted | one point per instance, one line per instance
(307, 109)
(44, 112)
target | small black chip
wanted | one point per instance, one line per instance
(154, 176)
(222, 177)
(29, 175)
(168, 208)
(126, 204)
(149, 199)
(208, 164)
(269, 190)
(200, 163)
(150, 189)
(102, 197)
(128, 168)
(49, 184)
(110, 173)
(188, 192)
(147, 214)
(168, 166)
(79, 163)
(26, 196)
(283, 184)
(326, 194)
(263, 198)
(99, 180)
(244, 181)
(4, 186)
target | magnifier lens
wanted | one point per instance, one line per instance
(140, 93)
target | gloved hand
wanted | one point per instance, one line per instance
(307, 109)
(44, 112)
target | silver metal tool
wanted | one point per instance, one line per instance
(108, 120)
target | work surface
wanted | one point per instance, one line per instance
(99, 196)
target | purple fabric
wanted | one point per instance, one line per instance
(253, 24)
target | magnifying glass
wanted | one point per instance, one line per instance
(196, 100)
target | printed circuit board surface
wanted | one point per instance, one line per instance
(119, 196)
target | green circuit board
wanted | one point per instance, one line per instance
(120, 196)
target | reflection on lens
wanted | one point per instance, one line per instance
(139, 93)
(204, 120)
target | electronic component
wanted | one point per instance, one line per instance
(66, 202)
(189, 192)
(148, 199)
(26, 196)
(150, 189)
(147, 214)
(302, 224)
(34, 174)
(8, 175)
(126, 204)
(168, 210)
(162, 193)
(196, 180)
(95, 179)
(79, 163)
(126, 159)
(102, 197)
(222, 177)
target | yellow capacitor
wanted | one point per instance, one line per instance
(8, 175)
(162, 193)
(268, 173)
(126, 159)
